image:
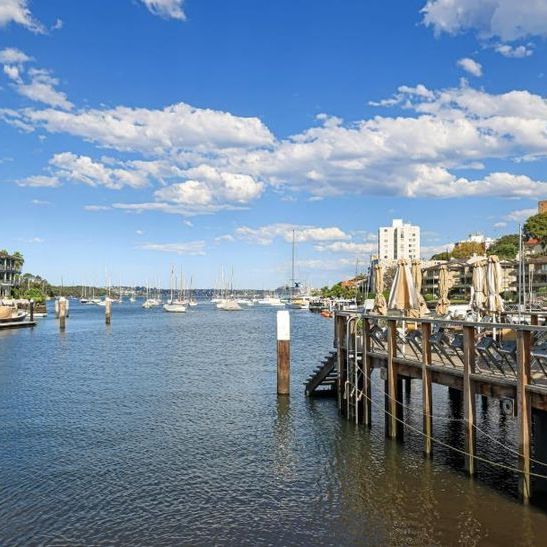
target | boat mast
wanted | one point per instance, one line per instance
(291, 293)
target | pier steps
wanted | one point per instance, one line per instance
(324, 376)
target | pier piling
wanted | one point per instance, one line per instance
(426, 388)
(62, 312)
(31, 309)
(283, 352)
(108, 311)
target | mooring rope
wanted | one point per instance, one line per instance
(448, 419)
(459, 450)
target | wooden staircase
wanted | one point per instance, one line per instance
(323, 379)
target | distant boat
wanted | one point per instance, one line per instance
(174, 308)
(229, 305)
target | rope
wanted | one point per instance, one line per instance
(459, 450)
(448, 419)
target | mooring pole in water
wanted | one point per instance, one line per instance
(31, 309)
(283, 352)
(469, 397)
(56, 306)
(524, 406)
(108, 311)
(427, 397)
(62, 313)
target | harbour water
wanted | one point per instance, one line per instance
(165, 429)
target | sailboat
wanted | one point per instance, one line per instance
(174, 306)
(298, 303)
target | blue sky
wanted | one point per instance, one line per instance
(140, 134)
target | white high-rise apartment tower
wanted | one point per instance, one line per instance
(398, 241)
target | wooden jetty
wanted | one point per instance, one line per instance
(507, 362)
(17, 325)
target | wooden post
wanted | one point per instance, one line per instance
(408, 386)
(427, 400)
(469, 397)
(56, 307)
(62, 313)
(341, 360)
(524, 412)
(367, 367)
(392, 391)
(108, 311)
(283, 352)
(31, 309)
(534, 319)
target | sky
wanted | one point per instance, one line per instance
(141, 135)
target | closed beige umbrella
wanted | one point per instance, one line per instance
(494, 302)
(380, 305)
(402, 295)
(478, 285)
(444, 281)
(417, 278)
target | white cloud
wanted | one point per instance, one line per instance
(11, 55)
(520, 215)
(507, 19)
(500, 224)
(40, 202)
(265, 235)
(168, 9)
(349, 247)
(188, 248)
(39, 181)
(96, 208)
(139, 232)
(155, 132)
(471, 66)
(514, 52)
(83, 169)
(17, 11)
(41, 88)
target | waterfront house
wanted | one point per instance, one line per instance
(10, 271)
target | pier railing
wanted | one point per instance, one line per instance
(500, 360)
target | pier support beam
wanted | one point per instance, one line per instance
(367, 369)
(427, 400)
(469, 397)
(524, 406)
(341, 361)
(393, 385)
(31, 309)
(283, 352)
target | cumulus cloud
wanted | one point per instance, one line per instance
(38, 181)
(83, 169)
(36, 84)
(154, 132)
(506, 19)
(168, 9)
(265, 235)
(18, 12)
(187, 248)
(514, 52)
(471, 66)
(11, 55)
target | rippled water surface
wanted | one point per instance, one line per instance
(166, 429)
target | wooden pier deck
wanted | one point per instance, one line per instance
(504, 361)
(17, 325)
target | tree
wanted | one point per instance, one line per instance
(506, 247)
(536, 228)
(466, 249)
(445, 255)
